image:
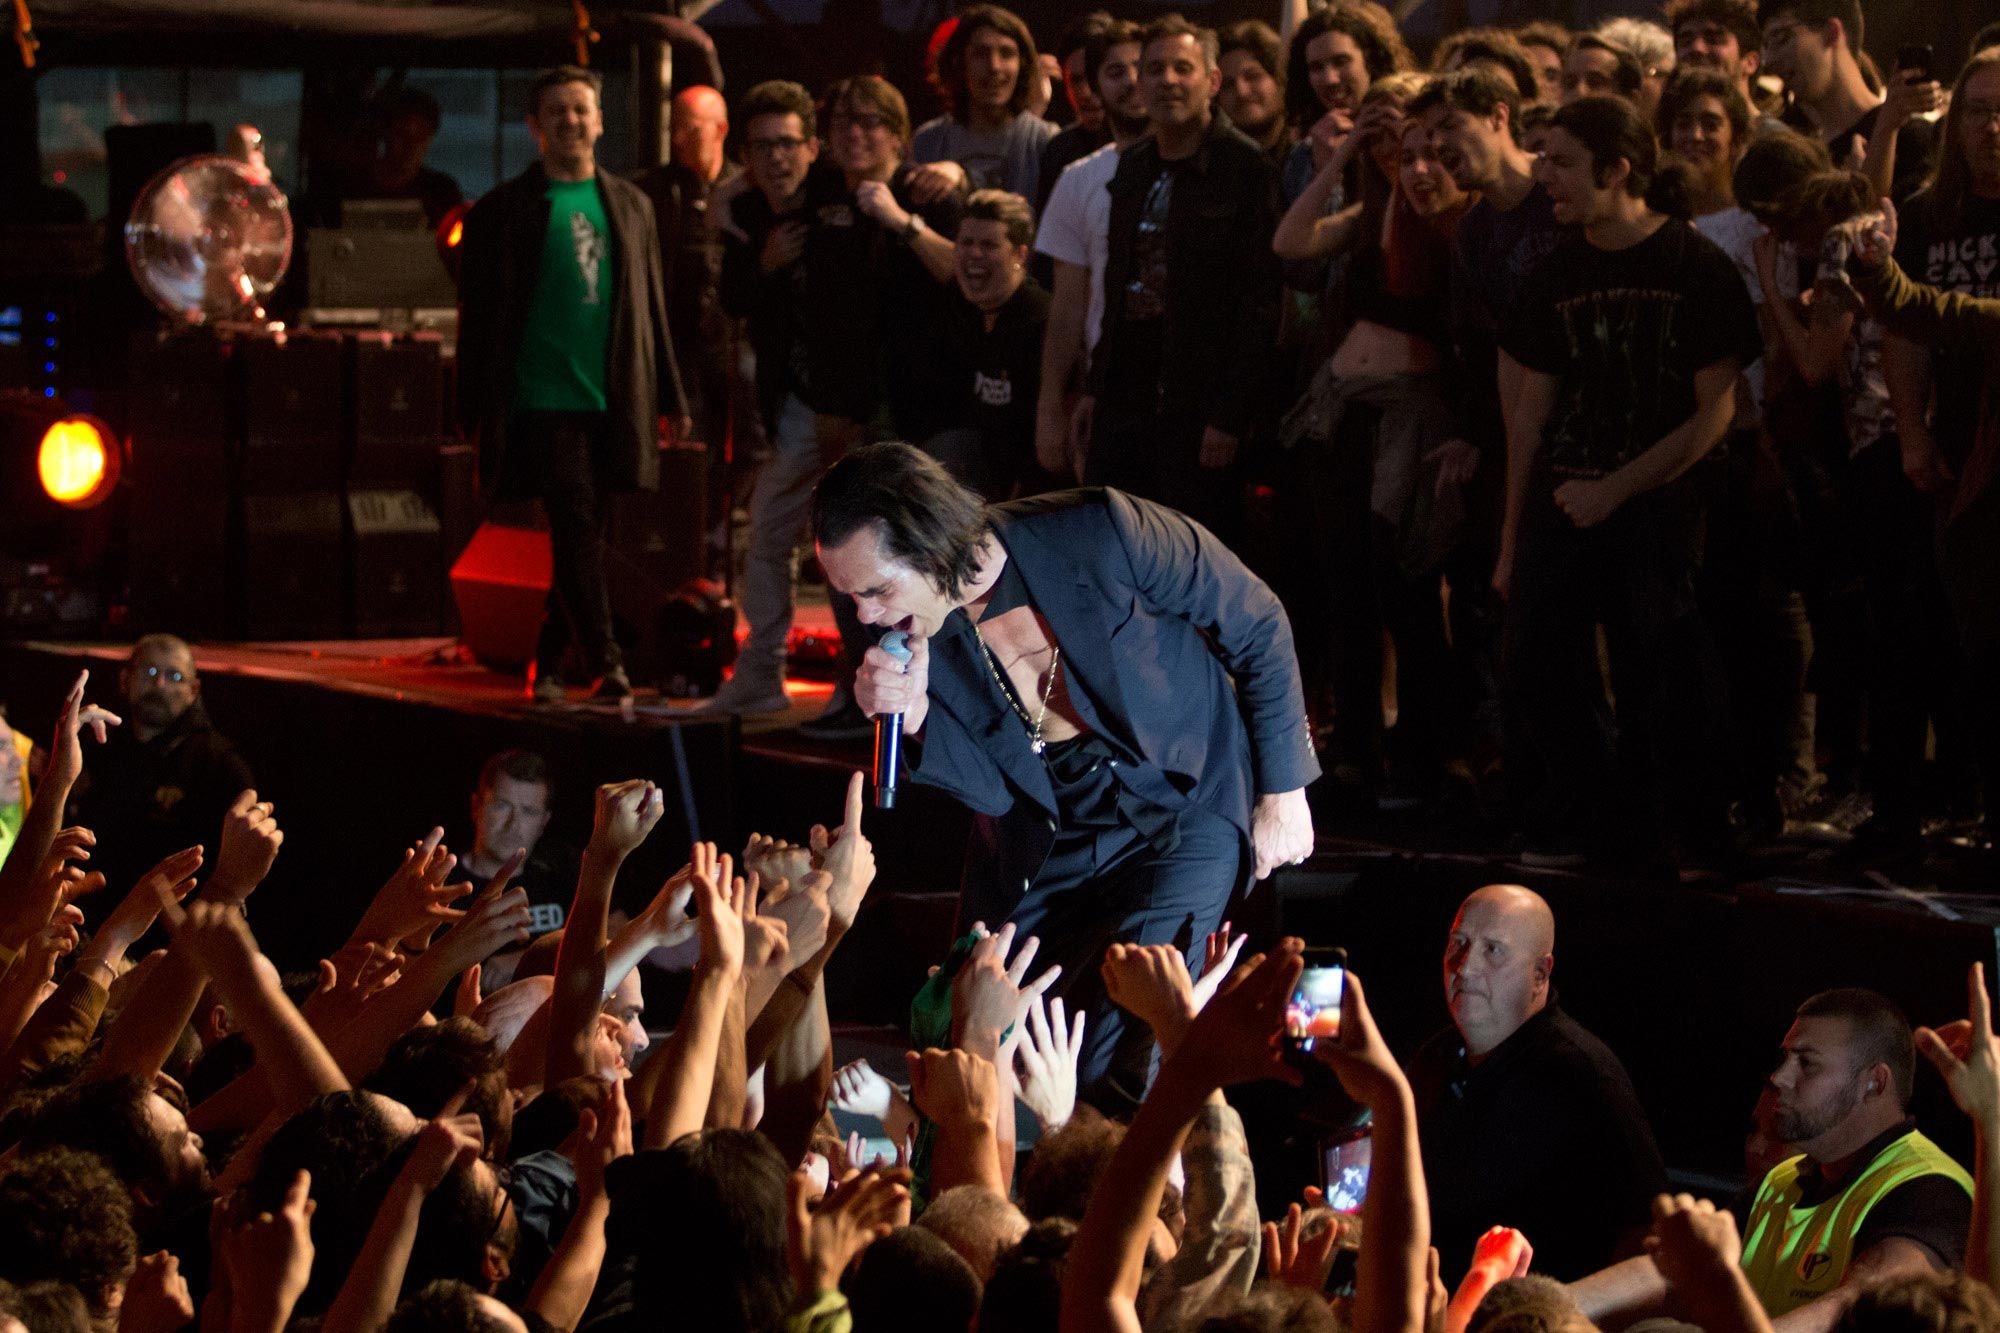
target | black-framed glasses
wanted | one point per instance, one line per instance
(790, 143)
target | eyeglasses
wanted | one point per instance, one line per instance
(169, 674)
(789, 144)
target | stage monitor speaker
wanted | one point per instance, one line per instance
(398, 412)
(291, 413)
(500, 584)
(398, 564)
(176, 561)
(291, 566)
(181, 418)
(656, 546)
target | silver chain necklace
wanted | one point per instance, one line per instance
(1033, 724)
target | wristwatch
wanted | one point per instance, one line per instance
(912, 228)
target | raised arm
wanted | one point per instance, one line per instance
(368, 1296)
(1234, 1040)
(562, 1292)
(1391, 1284)
(680, 1102)
(626, 813)
(22, 911)
(1967, 1056)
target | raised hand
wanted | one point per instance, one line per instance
(1694, 1243)
(824, 1240)
(990, 994)
(444, 1145)
(765, 939)
(465, 997)
(1046, 1061)
(847, 856)
(1150, 982)
(955, 1088)
(356, 974)
(249, 848)
(268, 1257)
(56, 940)
(1235, 1038)
(1967, 1055)
(219, 941)
(606, 1133)
(666, 918)
(1359, 1057)
(858, 1090)
(496, 920)
(415, 899)
(1219, 955)
(717, 915)
(1295, 1259)
(626, 813)
(156, 1297)
(170, 881)
(776, 859)
(65, 764)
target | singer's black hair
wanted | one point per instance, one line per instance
(925, 519)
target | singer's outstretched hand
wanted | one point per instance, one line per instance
(885, 685)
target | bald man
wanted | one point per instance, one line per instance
(1526, 1119)
(164, 780)
(691, 251)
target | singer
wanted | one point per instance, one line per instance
(1111, 692)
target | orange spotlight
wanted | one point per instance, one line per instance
(79, 461)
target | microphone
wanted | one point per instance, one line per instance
(889, 730)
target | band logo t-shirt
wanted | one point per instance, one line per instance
(562, 362)
(1957, 251)
(1625, 331)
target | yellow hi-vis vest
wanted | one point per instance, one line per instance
(1794, 1255)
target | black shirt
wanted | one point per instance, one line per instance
(988, 380)
(1625, 331)
(868, 300)
(1546, 1134)
(1958, 251)
(1935, 1211)
(146, 800)
(770, 304)
(1492, 253)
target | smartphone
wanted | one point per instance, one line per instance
(1343, 1170)
(1914, 60)
(1314, 1011)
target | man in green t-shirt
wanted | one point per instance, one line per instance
(565, 370)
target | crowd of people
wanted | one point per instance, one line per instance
(1535, 381)
(465, 1119)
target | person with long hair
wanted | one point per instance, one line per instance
(989, 137)
(1631, 337)
(1378, 454)
(1335, 54)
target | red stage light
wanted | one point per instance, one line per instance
(78, 461)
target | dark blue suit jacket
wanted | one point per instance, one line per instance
(1177, 655)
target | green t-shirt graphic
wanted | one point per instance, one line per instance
(561, 368)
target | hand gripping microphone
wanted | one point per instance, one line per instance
(889, 730)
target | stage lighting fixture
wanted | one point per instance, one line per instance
(79, 461)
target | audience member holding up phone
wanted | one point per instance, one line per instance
(1531, 1118)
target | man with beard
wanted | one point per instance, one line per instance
(1253, 86)
(1867, 1198)
(1515, 1096)
(165, 779)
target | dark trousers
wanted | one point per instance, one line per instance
(1912, 662)
(1615, 787)
(565, 454)
(1117, 888)
(1153, 453)
(1365, 591)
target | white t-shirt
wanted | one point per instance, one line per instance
(1735, 232)
(1076, 226)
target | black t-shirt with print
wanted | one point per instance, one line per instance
(1000, 369)
(1958, 251)
(1625, 331)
